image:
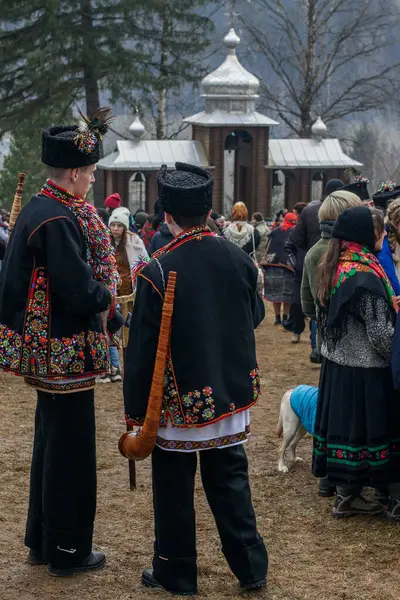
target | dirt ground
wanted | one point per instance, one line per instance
(312, 556)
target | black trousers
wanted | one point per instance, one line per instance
(62, 501)
(296, 319)
(225, 479)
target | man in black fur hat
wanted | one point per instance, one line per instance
(211, 381)
(58, 276)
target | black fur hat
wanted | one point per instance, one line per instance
(74, 146)
(187, 191)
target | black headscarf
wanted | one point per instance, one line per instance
(356, 225)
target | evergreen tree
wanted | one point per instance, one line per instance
(52, 50)
(176, 35)
(25, 155)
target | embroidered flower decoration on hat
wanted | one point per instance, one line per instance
(361, 179)
(386, 186)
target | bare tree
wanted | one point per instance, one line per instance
(376, 144)
(328, 57)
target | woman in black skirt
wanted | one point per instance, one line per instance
(357, 430)
(279, 272)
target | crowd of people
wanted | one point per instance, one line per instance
(66, 267)
(336, 262)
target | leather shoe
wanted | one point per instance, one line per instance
(255, 585)
(148, 580)
(93, 562)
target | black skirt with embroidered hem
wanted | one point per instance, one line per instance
(357, 427)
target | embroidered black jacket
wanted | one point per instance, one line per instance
(50, 327)
(212, 368)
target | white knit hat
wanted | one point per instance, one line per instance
(120, 215)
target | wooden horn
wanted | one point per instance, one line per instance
(138, 446)
(17, 202)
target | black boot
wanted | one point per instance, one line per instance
(94, 562)
(382, 495)
(148, 580)
(315, 357)
(35, 558)
(278, 320)
(326, 490)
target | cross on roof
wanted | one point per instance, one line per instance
(231, 14)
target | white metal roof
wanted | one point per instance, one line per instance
(231, 78)
(231, 119)
(149, 155)
(308, 153)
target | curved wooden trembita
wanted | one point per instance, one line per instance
(17, 202)
(138, 446)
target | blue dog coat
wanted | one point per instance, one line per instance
(303, 401)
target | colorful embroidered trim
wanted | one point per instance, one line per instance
(61, 387)
(197, 233)
(186, 236)
(138, 266)
(10, 349)
(195, 407)
(36, 329)
(356, 456)
(220, 442)
(99, 249)
(256, 382)
(34, 354)
(355, 258)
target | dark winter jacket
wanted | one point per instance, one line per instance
(277, 254)
(296, 259)
(307, 231)
(212, 368)
(50, 326)
(160, 239)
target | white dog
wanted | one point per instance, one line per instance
(296, 418)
